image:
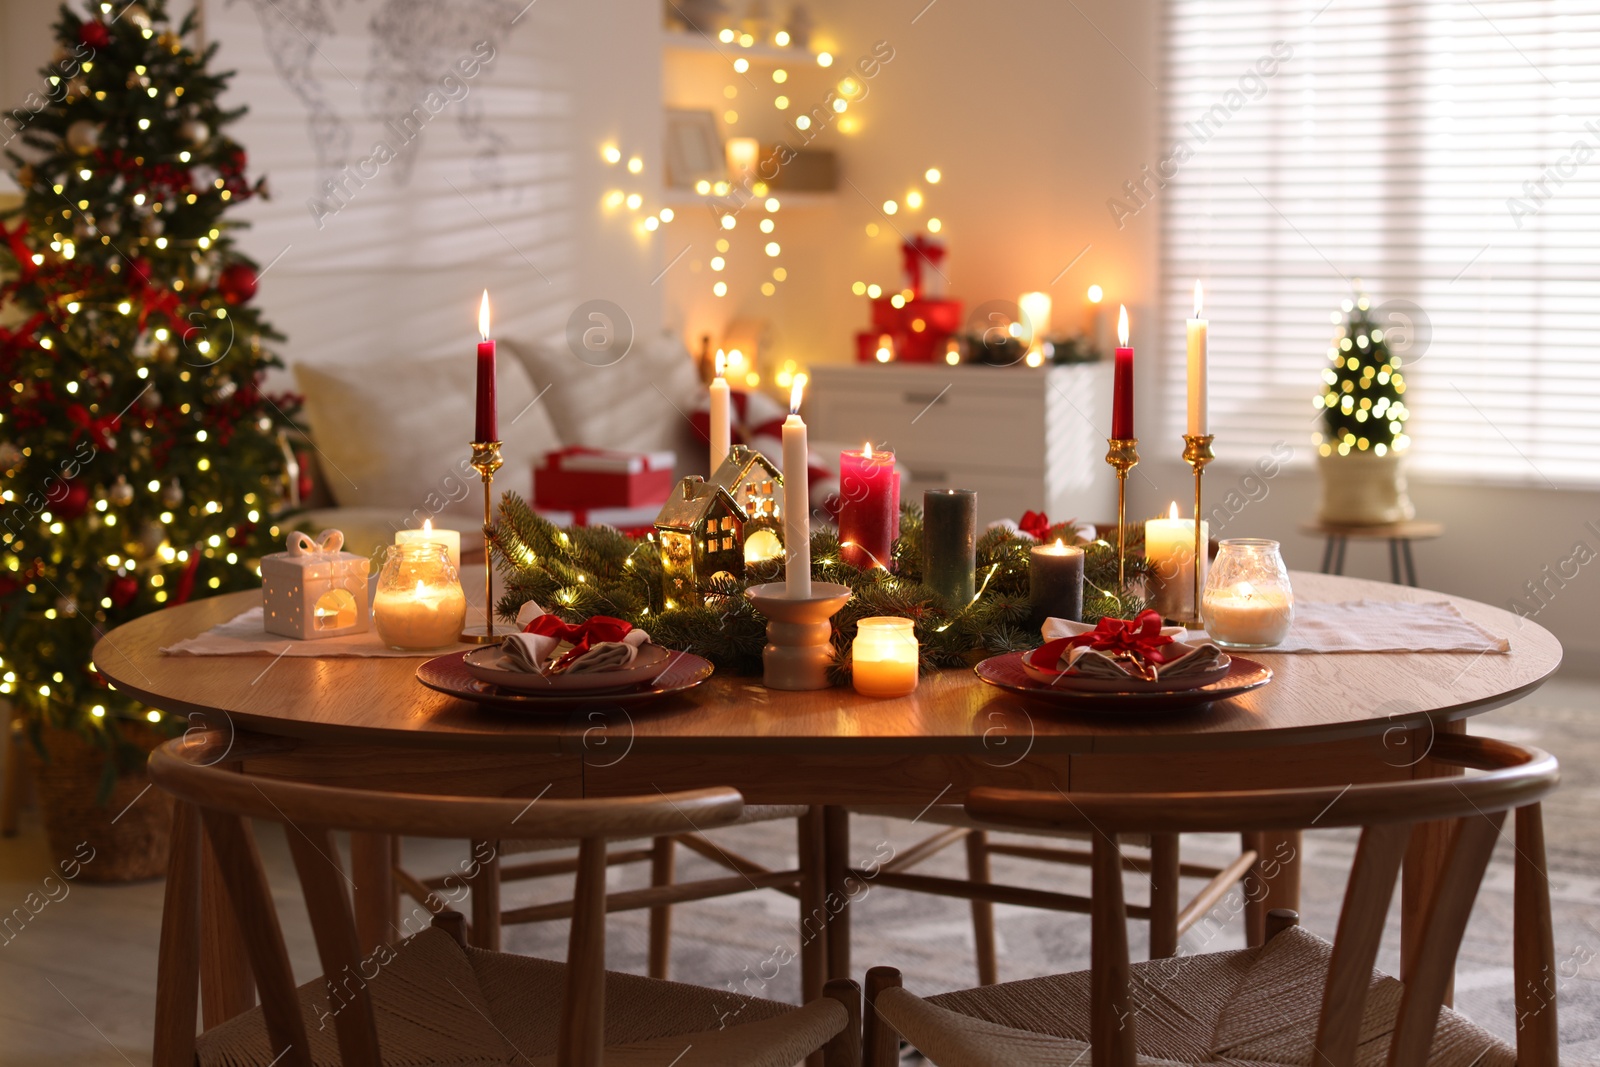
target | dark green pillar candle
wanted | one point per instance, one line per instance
(950, 543)
(1055, 583)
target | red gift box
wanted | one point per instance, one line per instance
(582, 479)
(939, 321)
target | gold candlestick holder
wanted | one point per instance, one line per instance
(486, 460)
(1197, 453)
(1123, 455)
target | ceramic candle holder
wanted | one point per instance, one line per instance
(798, 651)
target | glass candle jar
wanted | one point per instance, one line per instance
(419, 604)
(883, 657)
(1247, 602)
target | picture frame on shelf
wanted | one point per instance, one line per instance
(694, 149)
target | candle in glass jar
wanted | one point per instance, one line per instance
(1055, 583)
(1169, 549)
(950, 544)
(869, 511)
(422, 617)
(1242, 616)
(450, 539)
(884, 657)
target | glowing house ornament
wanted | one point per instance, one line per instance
(756, 483)
(701, 533)
(315, 589)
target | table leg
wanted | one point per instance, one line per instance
(1164, 894)
(1395, 575)
(813, 907)
(227, 987)
(1338, 562)
(1327, 556)
(1273, 881)
(375, 902)
(1425, 860)
(1411, 564)
(836, 836)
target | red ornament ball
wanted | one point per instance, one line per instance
(73, 503)
(122, 588)
(238, 283)
(94, 34)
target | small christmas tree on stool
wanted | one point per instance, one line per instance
(141, 461)
(1362, 402)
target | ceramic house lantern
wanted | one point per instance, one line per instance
(757, 486)
(315, 589)
(701, 533)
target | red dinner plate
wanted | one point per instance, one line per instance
(1006, 672)
(449, 675)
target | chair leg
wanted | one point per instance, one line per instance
(1164, 893)
(1279, 920)
(880, 1040)
(485, 885)
(844, 1048)
(1255, 906)
(662, 873)
(836, 835)
(811, 852)
(982, 910)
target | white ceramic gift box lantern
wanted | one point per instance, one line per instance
(315, 589)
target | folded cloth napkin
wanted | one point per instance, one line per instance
(601, 643)
(1118, 648)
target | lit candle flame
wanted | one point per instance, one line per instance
(420, 590)
(1245, 589)
(1059, 548)
(722, 363)
(483, 317)
(1122, 326)
(1197, 299)
(866, 450)
(427, 525)
(1172, 512)
(794, 397)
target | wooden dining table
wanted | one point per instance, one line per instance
(1328, 719)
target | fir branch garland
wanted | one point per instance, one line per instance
(596, 570)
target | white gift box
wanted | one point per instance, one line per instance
(315, 589)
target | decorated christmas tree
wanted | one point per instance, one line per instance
(1363, 398)
(141, 462)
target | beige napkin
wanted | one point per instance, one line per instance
(535, 653)
(1385, 626)
(1093, 663)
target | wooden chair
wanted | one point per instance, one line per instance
(1159, 864)
(1297, 999)
(489, 917)
(430, 998)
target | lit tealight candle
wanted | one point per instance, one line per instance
(1242, 616)
(883, 657)
(450, 539)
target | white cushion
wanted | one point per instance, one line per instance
(641, 403)
(395, 434)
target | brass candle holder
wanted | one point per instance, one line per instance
(486, 460)
(1123, 455)
(1197, 453)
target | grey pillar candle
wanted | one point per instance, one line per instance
(1055, 583)
(950, 543)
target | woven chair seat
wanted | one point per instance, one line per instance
(1247, 1008)
(753, 813)
(439, 1006)
(956, 815)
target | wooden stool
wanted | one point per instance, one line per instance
(1402, 569)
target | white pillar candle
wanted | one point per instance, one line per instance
(796, 501)
(883, 657)
(450, 539)
(1169, 549)
(1197, 369)
(1242, 616)
(721, 432)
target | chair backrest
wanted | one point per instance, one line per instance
(191, 768)
(1513, 778)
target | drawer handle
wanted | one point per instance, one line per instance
(926, 399)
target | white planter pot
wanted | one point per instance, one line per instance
(1363, 489)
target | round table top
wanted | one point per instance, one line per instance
(378, 700)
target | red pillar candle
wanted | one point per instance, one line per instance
(1122, 384)
(869, 507)
(488, 428)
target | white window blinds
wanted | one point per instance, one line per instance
(1446, 155)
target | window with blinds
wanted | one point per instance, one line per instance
(1444, 157)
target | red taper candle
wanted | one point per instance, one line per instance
(1122, 383)
(488, 428)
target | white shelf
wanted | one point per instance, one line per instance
(686, 42)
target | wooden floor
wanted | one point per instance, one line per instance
(76, 980)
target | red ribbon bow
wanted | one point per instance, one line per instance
(582, 636)
(1035, 524)
(1141, 638)
(914, 254)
